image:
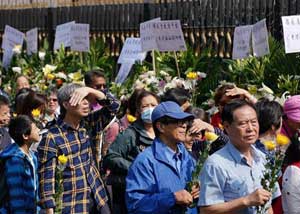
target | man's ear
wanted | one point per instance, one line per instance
(226, 125)
(160, 127)
(66, 104)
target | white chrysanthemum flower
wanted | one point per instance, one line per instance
(42, 55)
(17, 70)
(61, 75)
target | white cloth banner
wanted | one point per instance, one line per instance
(63, 35)
(291, 33)
(123, 72)
(241, 42)
(260, 41)
(32, 41)
(11, 38)
(80, 37)
(132, 51)
(162, 35)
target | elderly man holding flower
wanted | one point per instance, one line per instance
(232, 176)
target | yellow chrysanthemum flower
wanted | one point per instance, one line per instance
(50, 76)
(270, 145)
(210, 136)
(62, 159)
(192, 75)
(36, 113)
(131, 118)
(282, 140)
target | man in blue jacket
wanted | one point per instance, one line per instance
(157, 179)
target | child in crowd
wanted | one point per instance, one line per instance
(20, 168)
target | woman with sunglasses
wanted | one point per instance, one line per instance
(52, 107)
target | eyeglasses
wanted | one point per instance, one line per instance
(168, 121)
(52, 99)
(100, 86)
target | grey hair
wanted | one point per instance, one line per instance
(64, 94)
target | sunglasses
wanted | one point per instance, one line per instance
(100, 86)
(52, 99)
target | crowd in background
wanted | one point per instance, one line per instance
(137, 156)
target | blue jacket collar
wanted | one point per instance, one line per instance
(13, 150)
(159, 150)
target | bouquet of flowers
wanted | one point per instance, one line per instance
(203, 155)
(274, 160)
(62, 161)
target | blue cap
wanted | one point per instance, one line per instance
(170, 109)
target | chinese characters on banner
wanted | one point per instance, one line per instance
(132, 51)
(260, 39)
(162, 35)
(148, 38)
(32, 41)
(80, 37)
(291, 33)
(241, 42)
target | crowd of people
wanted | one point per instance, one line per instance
(138, 155)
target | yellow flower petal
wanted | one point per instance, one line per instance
(62, 159)
(131, 118)
(270, 145)
(36, 113)
(50, 76)
(282, 140)
(192, 75)
(210, 136)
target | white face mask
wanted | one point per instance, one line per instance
(146, 115)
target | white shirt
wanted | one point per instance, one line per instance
(291, 190)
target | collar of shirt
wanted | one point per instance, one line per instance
(166, 154)
(65, 126)
(239, 157)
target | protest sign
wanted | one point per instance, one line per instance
(241, 42)
(132, 51)
(169, 36)
(291, 33)
(123, 72)
(63, 35)
(32, 41)
(260, 41)
(148, 37)
(11, 38)
(162, 35)
(80, 37)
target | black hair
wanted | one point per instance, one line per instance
(141, 95)
(292, 153)
(33, 100)
(269, 114)
(229, 108)
(89, 76)
(19, 126)
(177, 95)
(4, 101)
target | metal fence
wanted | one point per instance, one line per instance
(206, 23)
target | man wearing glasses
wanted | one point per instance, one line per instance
(157, 179)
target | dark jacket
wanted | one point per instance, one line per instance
(126, 147)
(5, 139)
(22, 188)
